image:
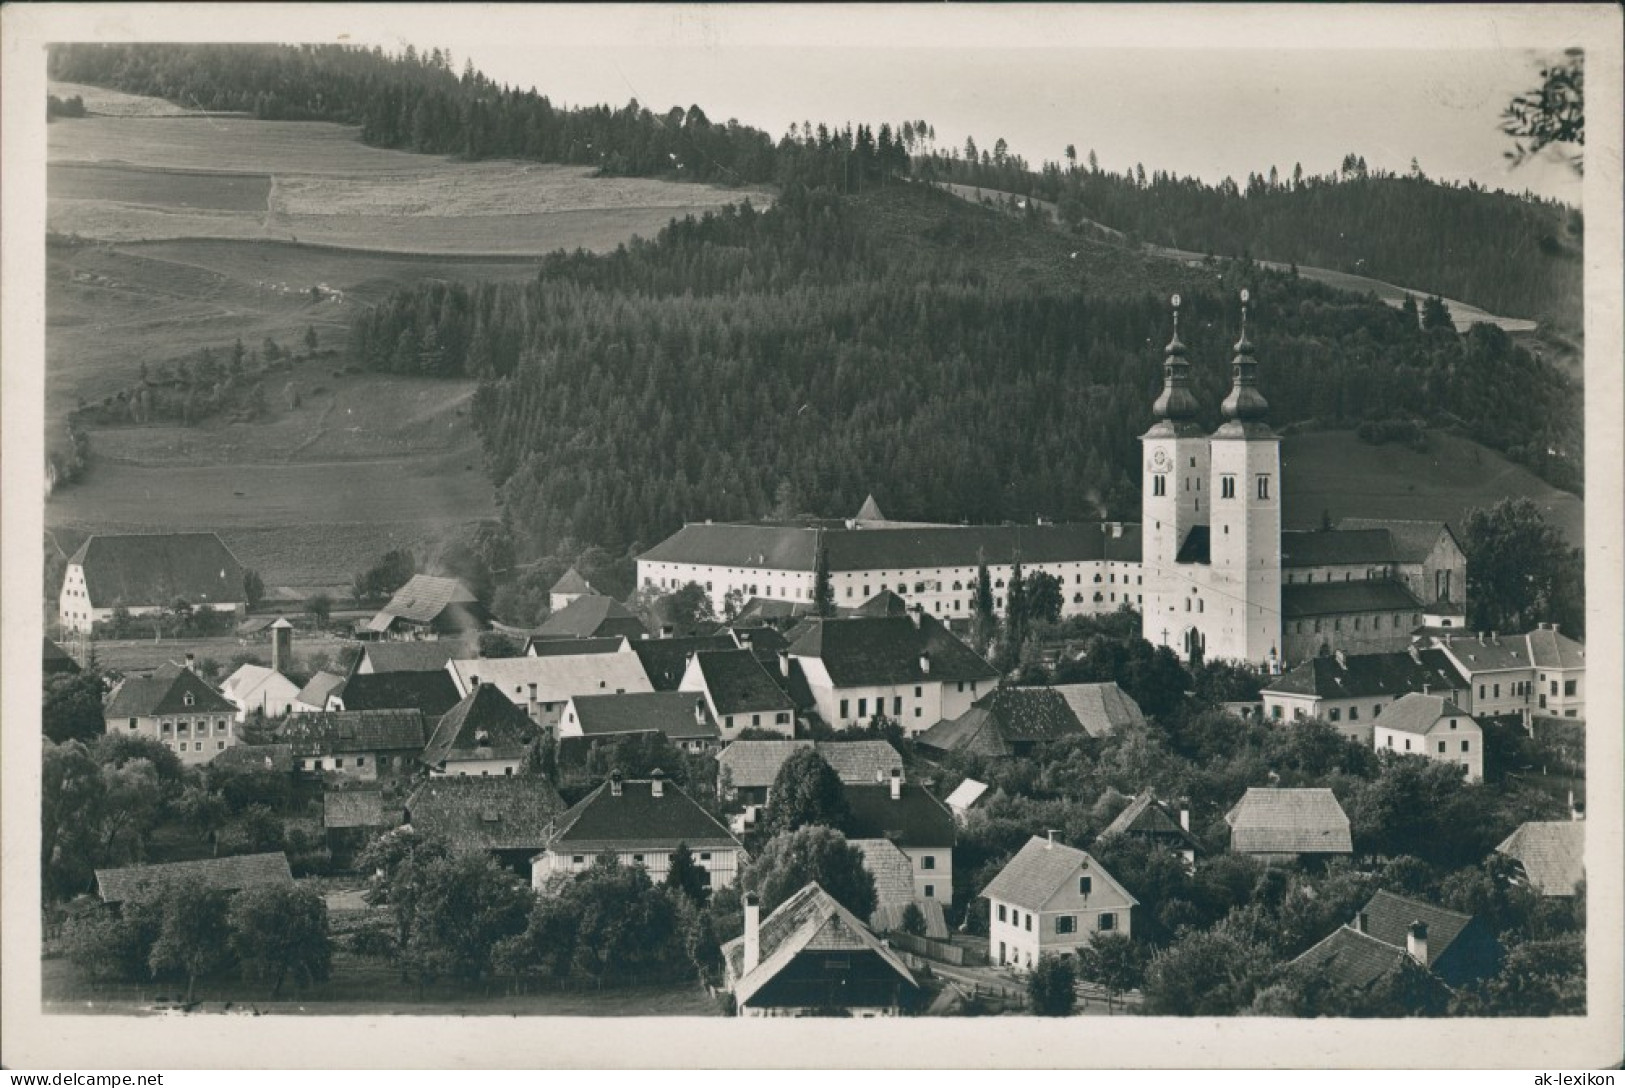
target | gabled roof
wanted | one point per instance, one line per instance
(337, 732)
(593, 617)
(1031, 714)
(1417, 713)
(1039, 870)
(767, 547)
(809, 921)
(164, 693)
(218, 874)
(353, 808)
(557, 679)
(873, 652)
(754, 764)
(1549, 649)
(572, 647)
(246, 684)
(975, 732)
(636, 818)
(1101, 708)
(158, 569)
(321, 685)
(1150, 817)
(672, 713)
(264, 758)
(425, 596)
(870, 510)
(915, 820)
(738, 684)
(884, 603)
(418, 655)
(889, 918)
(57, 660)
(1336, 547)
(1359, 676)
(966, 794)
(891, 868)
(1289, 821)
(1477, 654)
(860, 762)
(665, 659)
(1388, 918)
(433, 692)
(1341, 598)
(1552, 853)
(485, 724)
(486, 813)
(572, 582)
(1353, 958)
(1412, 541)
(760, 639)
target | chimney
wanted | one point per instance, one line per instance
(917, 614)
(1447, 637)
(896, 783)
(281, 646)
(1481, 638)
(1554, 628)
(191, 661)
(1495, 639)
(1342, 660)
(1185, 819)
(615, 783)
(1416, 942)
(473, 682)
(925, 662)
(667, 630)
(753, 933)
(1416, 654)
(699, 711)
(784, 662)
(657, 783)
(1049, 843)
(1362, 923)
(1426, 688)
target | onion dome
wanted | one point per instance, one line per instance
(1245, 404)
(1176, 403)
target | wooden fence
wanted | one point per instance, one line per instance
(941, 951)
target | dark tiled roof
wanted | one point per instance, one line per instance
(1340, 598)
(330, 733)
(321, 685)
(219, 874)
(1102, 708)
(425, 596)
(754, 764)
(353, 808)
(1413, 541)
(593, 617)
(164, 693)
(879, 652)
(809, 921)
(58, 660)
(1360, 676)
(739, 684)
(1550, 649)
(486, 813)
(884, 603)
(273, 758)
(768, 547)
(1037, 872)
(159, 568)
(1388, 918)
(1289, 821)
(1336, 547)
(1552, 853)
(484, 725)
(1031, 714)
(431, 691)
(916, 819)
(417, 655)
(571, 582)
(1197, 547)
(1148, 816)
(669, 712)
(665, 659)
(759, 639)
(603, 821)
(1418, 713)
(573, 647)
(1353, 958)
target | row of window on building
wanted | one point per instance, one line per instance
(1227, 485)
(1105, 921)
(1303, 627)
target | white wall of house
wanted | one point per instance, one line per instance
(780, 720)
(477, 768)
(1020, 937)
(722, 863)
(1561, 693)
(78, 614)
(1454, 738)
(917, 707)
(195, 738)
(933, 872)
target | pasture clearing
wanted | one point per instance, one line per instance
(141, 655)
(1336, 472)
(204, 190)
(107, 103)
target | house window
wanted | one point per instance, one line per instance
(782, 718)
(1481, 691)
(962, 687)
(755, 720)
(1354, 713)
(930, 891)
(705, 857)
(183, 746)
(728, 722)
(843, 708)
(1029, 925)
(1497, 691)
(1066, 923)
(1569, 687)
(1227, 487)
(637, 859)
(1001, 912)
(220, 744)
(1275, 712)
(1466, 745)
(577, 859)
(188, 699)
(1390, 740)
(132, 723)
(1108, 920)
(164, 728)
(360, 761)
(1376, 710)
(1407, 744)
(918, 691)
(1085, 885)
(897, 706)
(1263, 493)
(1334, 714)
(1159, 484)
(928, 861)
(863, 708)
(339, 762)
(1441, 747)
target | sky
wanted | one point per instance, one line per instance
(1175, 89)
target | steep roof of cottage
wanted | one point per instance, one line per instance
(665, 660)
(593, 617)
(556, 678)
(250, 680)
(759, 639)
(432, 691)
(419, 655)
(218, 874)
(320, 686)
(1146, 815)
(353, 808)
(637, 818)
(1417, 713)
(1552, 854)
(1336, 547)
(165, 693)
(571, 582)
(559, 646)
(884, 603)
(891, 868)
(738, 683)
(1388, 918)
(425, 596)
(672, 713)
(1353, 958)
(876, 652)
(1550, 649)
(508, 812)
(1289, 821)
(809, 921)
(1038, 871)
(1358, 676)
(916, 819)
(1101, 708)
(1413, 541)
(338, 732)
(975, 732)
(755, 764)
(56, 659)
(1006, 717)
(1340, 598)
(140, 569)
(264, 758)
(485, 724)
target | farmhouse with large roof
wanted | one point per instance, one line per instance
(146, 573)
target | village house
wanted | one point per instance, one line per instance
(233, 874)
(1350, 691)
(893, 875)
(747, 769)
(1052, 900)
(1101, 708)
(813, 957)
(739, 693)
(255, 689)
(1552, 853)
(536, 646)
(428, 606)
(1006, 722)
(429, 655)
(593, 617)
(175, 707)
(507, 817)
(1150, 820)
(570, 588)
(431, 692)
(1435, 727)
(147, 573)
(362, 744)
(911, 818)
(665, 660)
(680, 717)
(1537, 674)
(313, 696)
(1456, 947)
(641, 822)
(911, 670)
(484, 734)
(542, 686)
(245, 758)
(1283, 825)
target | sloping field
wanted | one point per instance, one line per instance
(1336, 472)
(101, 101)
(210, 189)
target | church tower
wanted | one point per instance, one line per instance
(1175, 500)
(1245, 564)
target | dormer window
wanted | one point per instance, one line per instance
(188, 699)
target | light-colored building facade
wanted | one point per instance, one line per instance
(1539, 673)
(1436, 728)
(541, 686)
(177, 708)
(1351, 691)
(1052, 900)
(146, 573)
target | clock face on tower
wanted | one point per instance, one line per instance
(1159, 460)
